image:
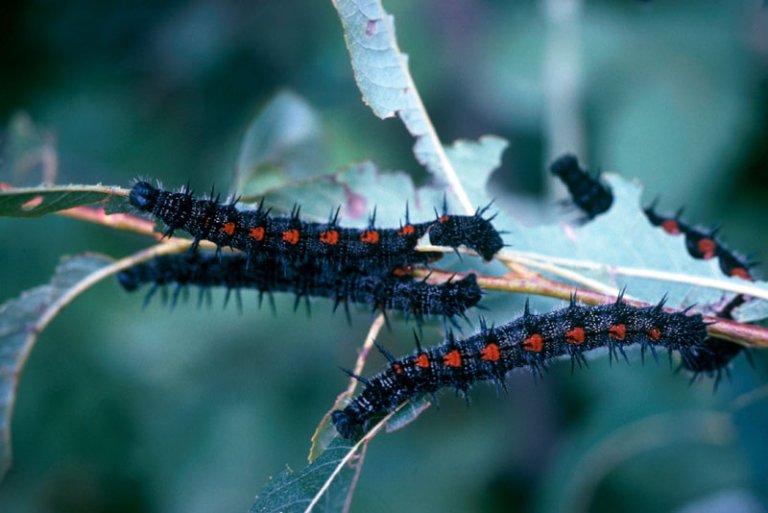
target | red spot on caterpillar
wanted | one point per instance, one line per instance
(406, 230)
(671, 226)
(654, 334)
(444, 219)
(397, 368)
(490, 353)
(742, 273)
(256, 233)
(534, 343)
(291, 236)
(617, 332)
(401, 271)
(228, 228)
(707, 248)
(575, 336)
(329, 237)
(370, 237)
(452, 359)
(422, 361)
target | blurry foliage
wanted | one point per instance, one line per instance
(124, 409)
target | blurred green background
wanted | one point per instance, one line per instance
(124, 409)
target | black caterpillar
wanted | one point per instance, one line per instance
(593, 197)
(397, 293)
(529, 341)
(701, 243)
(587, 192)
(260, 235)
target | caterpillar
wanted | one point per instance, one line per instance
(529, 341)
(398, 293)
(259, 234)
(592, 197)
(587, 192)
(701, 243)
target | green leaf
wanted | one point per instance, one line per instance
(29, 153)
(623, 237)
(359, 188)
(382, 75)
(407, 413)
(23, 319)
(751, 311)
(474, 162)
(282, 146)
(324, 485)
(38, 201)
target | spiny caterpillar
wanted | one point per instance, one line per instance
(530, 341)
(701, 243)
(260, 234)
(593, 197)
(398, 293)
(587, 192)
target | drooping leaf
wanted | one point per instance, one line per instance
(22, 320)
(322, 486)
(38, 201)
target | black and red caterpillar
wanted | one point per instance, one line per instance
(593, 197)
(398, 293)
(530, 341)
(701, 243)
(261, 235)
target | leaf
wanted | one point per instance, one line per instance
(751, 311)
(623, 237)
(474, 162)
(38, 201)
(359, 188)
(382, 75)
(23, 319)
(281, 146)
(407, 413)
(324, 485)
(29, 154)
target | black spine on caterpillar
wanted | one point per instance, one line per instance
(260, 235)
(530, 341)
(399, 293)
(588, 192)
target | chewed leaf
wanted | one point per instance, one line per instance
(282, 145)
(382, 75)
(322, 486)
(474, 162)
(38, 201)
(22, 320)
(623, 238)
